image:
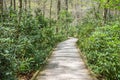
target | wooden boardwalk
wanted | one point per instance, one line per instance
(65, 64)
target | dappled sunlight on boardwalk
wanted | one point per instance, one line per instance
(65, 64)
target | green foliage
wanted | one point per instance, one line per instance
(101, 46)
(64, 21)
(113, 4)
(85, 30)
(65, 17)
(25, 45)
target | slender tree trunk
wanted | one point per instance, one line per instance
(66, 3)
(81, 8)
(44, 6)
(11, 3)
(1, 10)
(29, 4)
(25, 5)
(50, 12)
(20, 3)
(58, 8)
(58, 13)
(5, 5)
(105, 12)
(14, 4)
(20, 9)
(76, 11)
(109, 14)
(1, 6)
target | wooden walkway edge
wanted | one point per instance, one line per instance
(65, 64)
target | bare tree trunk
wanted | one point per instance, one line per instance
(14, 4)
(25, 5)
(44, 6)
(11, 3)
(1, 6)
(66, 3)
(20, 9)
(105, 12)
(58, 8)
(109, 14)
(29, 4)
(50, 12)
(75, 13)
(5, 5)
(1, 10)
(58, 13)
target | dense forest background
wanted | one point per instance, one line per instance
(30, 29)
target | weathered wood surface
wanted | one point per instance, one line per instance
(65, 64)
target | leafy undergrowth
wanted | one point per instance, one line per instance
(24, 46)
(101, 46)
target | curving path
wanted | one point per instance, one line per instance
(65, 64)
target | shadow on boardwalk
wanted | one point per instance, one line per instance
(65, 64)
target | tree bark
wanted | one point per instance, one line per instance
(44, 6)
(20, 9)
(66, 3)
(25, 5)
(105, 12)
(29, 4)
(50, 12)
(14, 4)
(58, 8)
(58, 13)
(1, 6)
(11, 3)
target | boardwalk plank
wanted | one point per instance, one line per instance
(65, 64)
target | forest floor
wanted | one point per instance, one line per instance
(65, 64)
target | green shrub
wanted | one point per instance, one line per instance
(102, 50)
(24, 46)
